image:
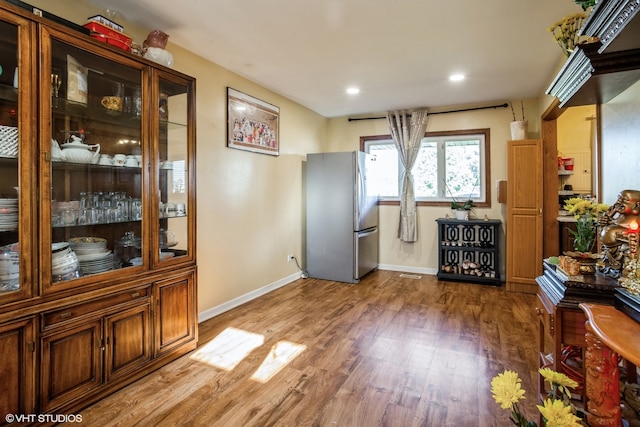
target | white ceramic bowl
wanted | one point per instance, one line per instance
(159, 55)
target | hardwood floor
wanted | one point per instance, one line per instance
(390, 351)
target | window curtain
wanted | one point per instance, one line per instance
(407, 131)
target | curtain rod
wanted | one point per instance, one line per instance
(505, 105)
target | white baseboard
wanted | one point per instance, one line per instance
(236, 302)
(405, 269)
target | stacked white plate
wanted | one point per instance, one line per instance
(93, 255)
(9, 268)
(64, 262)
(96, 263)
(8, 214)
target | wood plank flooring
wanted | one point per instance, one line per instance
(389, 351)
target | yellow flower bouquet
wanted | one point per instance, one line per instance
(587, 214)
(556, 409)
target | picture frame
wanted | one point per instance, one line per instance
(252, 125)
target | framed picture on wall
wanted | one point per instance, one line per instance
(252, 124)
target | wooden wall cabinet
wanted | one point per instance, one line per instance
(524, 214)
(97, 255)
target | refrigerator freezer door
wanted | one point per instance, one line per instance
(366, 250)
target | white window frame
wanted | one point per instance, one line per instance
(443, 197)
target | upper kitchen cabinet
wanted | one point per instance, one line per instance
(17, 159)
(597, 72)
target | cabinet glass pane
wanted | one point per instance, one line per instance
(172, 110)
(9, 238)
(96, 153)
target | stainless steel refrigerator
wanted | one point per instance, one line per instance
(342, 217)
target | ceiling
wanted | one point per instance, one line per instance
(400, 53)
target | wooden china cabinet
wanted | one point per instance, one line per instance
(97, 216)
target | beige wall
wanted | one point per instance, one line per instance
(250, 206)
(620, 121)
(422, 256)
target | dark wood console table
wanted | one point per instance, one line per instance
(609, 333)
(562, 322)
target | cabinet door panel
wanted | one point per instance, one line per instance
(71, 364)
(94, 175)
(175, 319)
(17, 133)
(524, 212)
(174, 151)
(128, 340)
(17, 367)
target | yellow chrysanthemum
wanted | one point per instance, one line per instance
(507, 389)
(579, 207)
(557, 378)
(557, 414)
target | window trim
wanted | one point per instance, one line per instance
(487, 163)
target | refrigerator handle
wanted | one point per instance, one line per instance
(367, 233)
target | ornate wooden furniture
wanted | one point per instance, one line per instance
(95, 291)
(596, 72)
(474, 244)
(561, 320)
(609, 333)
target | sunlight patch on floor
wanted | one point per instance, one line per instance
(229, 348)
(280, 355)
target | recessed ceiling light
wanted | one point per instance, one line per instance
(353, 90)
(456, 77)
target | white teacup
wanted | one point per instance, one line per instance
(105, 159)
(131, 162)
(119, 159)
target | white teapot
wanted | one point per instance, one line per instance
(77, 151)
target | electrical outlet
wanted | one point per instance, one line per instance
(290, 258)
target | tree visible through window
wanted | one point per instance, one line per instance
(450, 165)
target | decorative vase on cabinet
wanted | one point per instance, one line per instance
(63, 217)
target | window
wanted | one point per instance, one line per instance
(450, 165)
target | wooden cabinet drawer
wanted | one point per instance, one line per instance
(53, 318)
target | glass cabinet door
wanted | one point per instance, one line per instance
(174, 100)
(96, 179)
(17, 127)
